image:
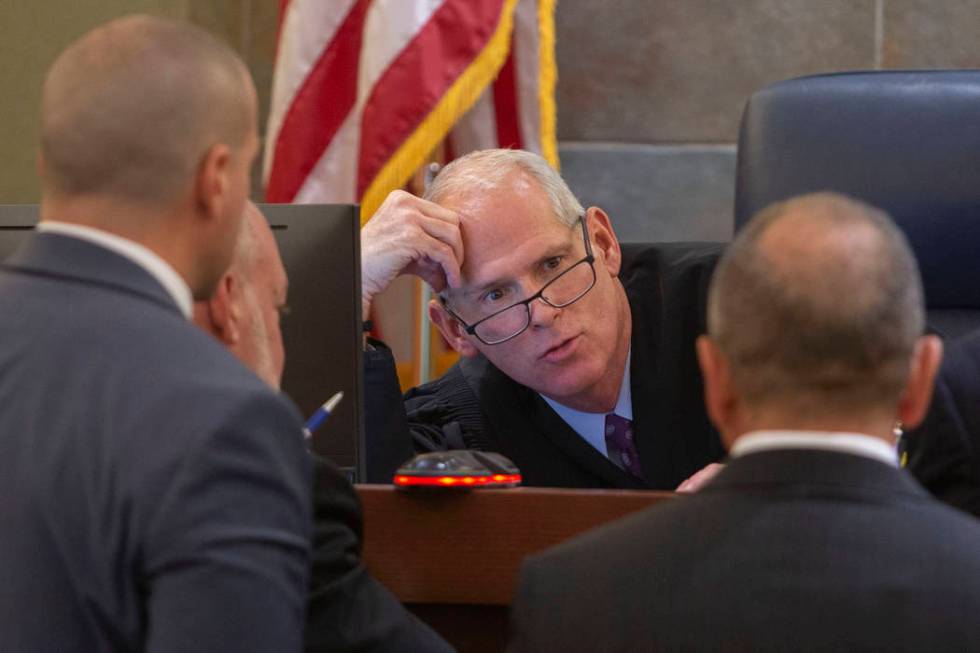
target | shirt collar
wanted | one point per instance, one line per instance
(857, 444)
(592, 426)
(158, 268)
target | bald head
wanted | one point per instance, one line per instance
(129, 110)
(818, 306)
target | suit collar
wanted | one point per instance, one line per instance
(139, 254)
(73, 259)
(768, 471)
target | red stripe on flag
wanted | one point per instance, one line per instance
(505, 103)
(322, 103)
(412, 85)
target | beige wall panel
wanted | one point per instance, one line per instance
(931, 34)
(32, 33)
(675, 71)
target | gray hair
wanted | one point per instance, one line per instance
(818, 305)
(130, 108)
(483, 170)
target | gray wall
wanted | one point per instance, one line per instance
(650, 91)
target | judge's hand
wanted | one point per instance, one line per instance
(700, 479)
(409, 235)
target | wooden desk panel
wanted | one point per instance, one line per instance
(466, 547)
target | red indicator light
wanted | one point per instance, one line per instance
(450, 481)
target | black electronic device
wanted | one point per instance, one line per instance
(458, 468)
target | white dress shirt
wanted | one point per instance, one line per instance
(592, 426)
(159, 269)
(857, 444)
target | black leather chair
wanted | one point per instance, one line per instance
(908, 142)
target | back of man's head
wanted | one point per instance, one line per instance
(817, 305)
(129, 109)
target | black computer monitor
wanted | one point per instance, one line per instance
(320, 249)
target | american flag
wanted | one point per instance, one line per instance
(365, 90)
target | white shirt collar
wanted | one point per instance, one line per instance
(857, 444)
(159, 269)
(592, 426)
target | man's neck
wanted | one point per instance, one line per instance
(152, 227)
(876, 425)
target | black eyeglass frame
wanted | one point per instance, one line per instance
(588, 258)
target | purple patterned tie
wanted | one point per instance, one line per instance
(620, 445)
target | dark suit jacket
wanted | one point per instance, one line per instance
(784, 550)
(349, 610)
(944, 452)
(154, 494)
(476, 406)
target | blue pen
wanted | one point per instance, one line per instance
(321, 414)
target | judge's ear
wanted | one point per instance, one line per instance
(224, 311)
(604, 241)
(451, 330)
(914, 402)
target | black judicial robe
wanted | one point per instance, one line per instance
(474, 405)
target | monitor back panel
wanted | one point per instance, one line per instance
(320, 250)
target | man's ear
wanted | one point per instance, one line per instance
(451, 330)
(914, 402)
(604, 240)
(719, 395)
(224, 310)
(214, 179)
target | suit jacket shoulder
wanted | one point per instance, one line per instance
(156, 472)
(781, 548)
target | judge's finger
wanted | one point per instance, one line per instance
(447, 232)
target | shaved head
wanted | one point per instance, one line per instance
(129, 110)
(818, 305)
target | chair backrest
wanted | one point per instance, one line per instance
(907, 142)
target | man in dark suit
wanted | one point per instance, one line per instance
(348, 610)
(944, 452)
(577, 356)
(155, 492)
(811, 537)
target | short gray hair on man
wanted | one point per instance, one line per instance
(818, 305)
(484, 170)
(130, 109)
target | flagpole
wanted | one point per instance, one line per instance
(425, 330)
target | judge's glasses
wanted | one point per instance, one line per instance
(568, 287)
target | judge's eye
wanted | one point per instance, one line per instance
(494, 295)
(552, 263)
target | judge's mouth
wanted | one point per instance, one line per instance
(561, 351)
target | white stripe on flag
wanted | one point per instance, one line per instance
(477, 130)
(527, 59)
(307, 29)
(389, 26)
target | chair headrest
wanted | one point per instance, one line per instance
(907, 142)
